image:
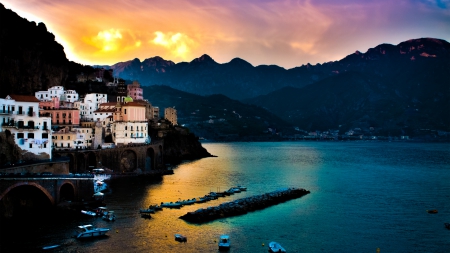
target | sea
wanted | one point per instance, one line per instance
(365, 197)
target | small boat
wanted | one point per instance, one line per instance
(89, 213)
(275, 247)
(50, 247)
(180, 238)
(432, 211)
(447, 225)
(109, 216)
(224, 242)
(100, 211)
(171, 204)
(155, 207)
(89, 231)
(149, 210)
(242, 188)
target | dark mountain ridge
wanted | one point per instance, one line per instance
(238, 79)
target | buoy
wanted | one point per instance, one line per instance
(262, 244)
(117, 231)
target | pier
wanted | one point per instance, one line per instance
(244, 205)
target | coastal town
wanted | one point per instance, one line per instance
(59, 119)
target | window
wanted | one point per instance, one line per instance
(125, 111)
(125, 134)
(19, 135)
(68, 145)
(68, 137)
(44, 135)
(125, 127)
(45, 145)
(62, 137)
(31, 145)
(30, 135)
(61, 145)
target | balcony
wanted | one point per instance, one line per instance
(5, 112)
(10, 124)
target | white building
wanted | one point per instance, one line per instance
(20, 115)
(59, 92)
(90, 104)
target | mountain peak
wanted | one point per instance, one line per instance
(240, 62)
(204, 59)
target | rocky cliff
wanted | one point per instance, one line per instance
(30, 58)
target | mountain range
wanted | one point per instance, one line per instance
(395, 89)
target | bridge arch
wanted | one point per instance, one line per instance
(150, 159)
(128, 160)
(81, 163)
(49, 196)
(67, 191)
(91, 161)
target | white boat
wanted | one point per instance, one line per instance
(275, 247)
(224, 242)
(171, 204)
(242, 188)
(90, 213)
(89, 231)
(50, 247)
(109, 216)
(180, 238)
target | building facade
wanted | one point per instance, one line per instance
(31, 132)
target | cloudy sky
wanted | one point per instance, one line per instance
(283, 32)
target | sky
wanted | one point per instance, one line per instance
(263, 32)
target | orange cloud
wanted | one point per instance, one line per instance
(284, 32)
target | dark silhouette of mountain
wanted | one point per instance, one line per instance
(30, 59)
(394, 89)
(217, 117)
(238, 79)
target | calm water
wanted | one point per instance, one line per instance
(364, 196)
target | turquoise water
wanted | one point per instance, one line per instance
(364, 196)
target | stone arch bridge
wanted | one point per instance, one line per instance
(144, 158)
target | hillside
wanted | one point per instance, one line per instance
(238, 79)
(217, 117)
(395, 89)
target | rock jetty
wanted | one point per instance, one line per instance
(244, 205)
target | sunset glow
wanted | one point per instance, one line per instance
(286, 33)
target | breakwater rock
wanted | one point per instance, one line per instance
(244, 205)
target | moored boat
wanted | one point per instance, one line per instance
(89, 213)
(89, 231)
(171, 204)
(109, 216)
(275, 247)
(224, 242)
(155, 207)
(432, 211)
(180, 238)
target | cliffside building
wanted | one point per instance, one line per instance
(20, 115)
(130, 124)
(171, 115)
(135, 91)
